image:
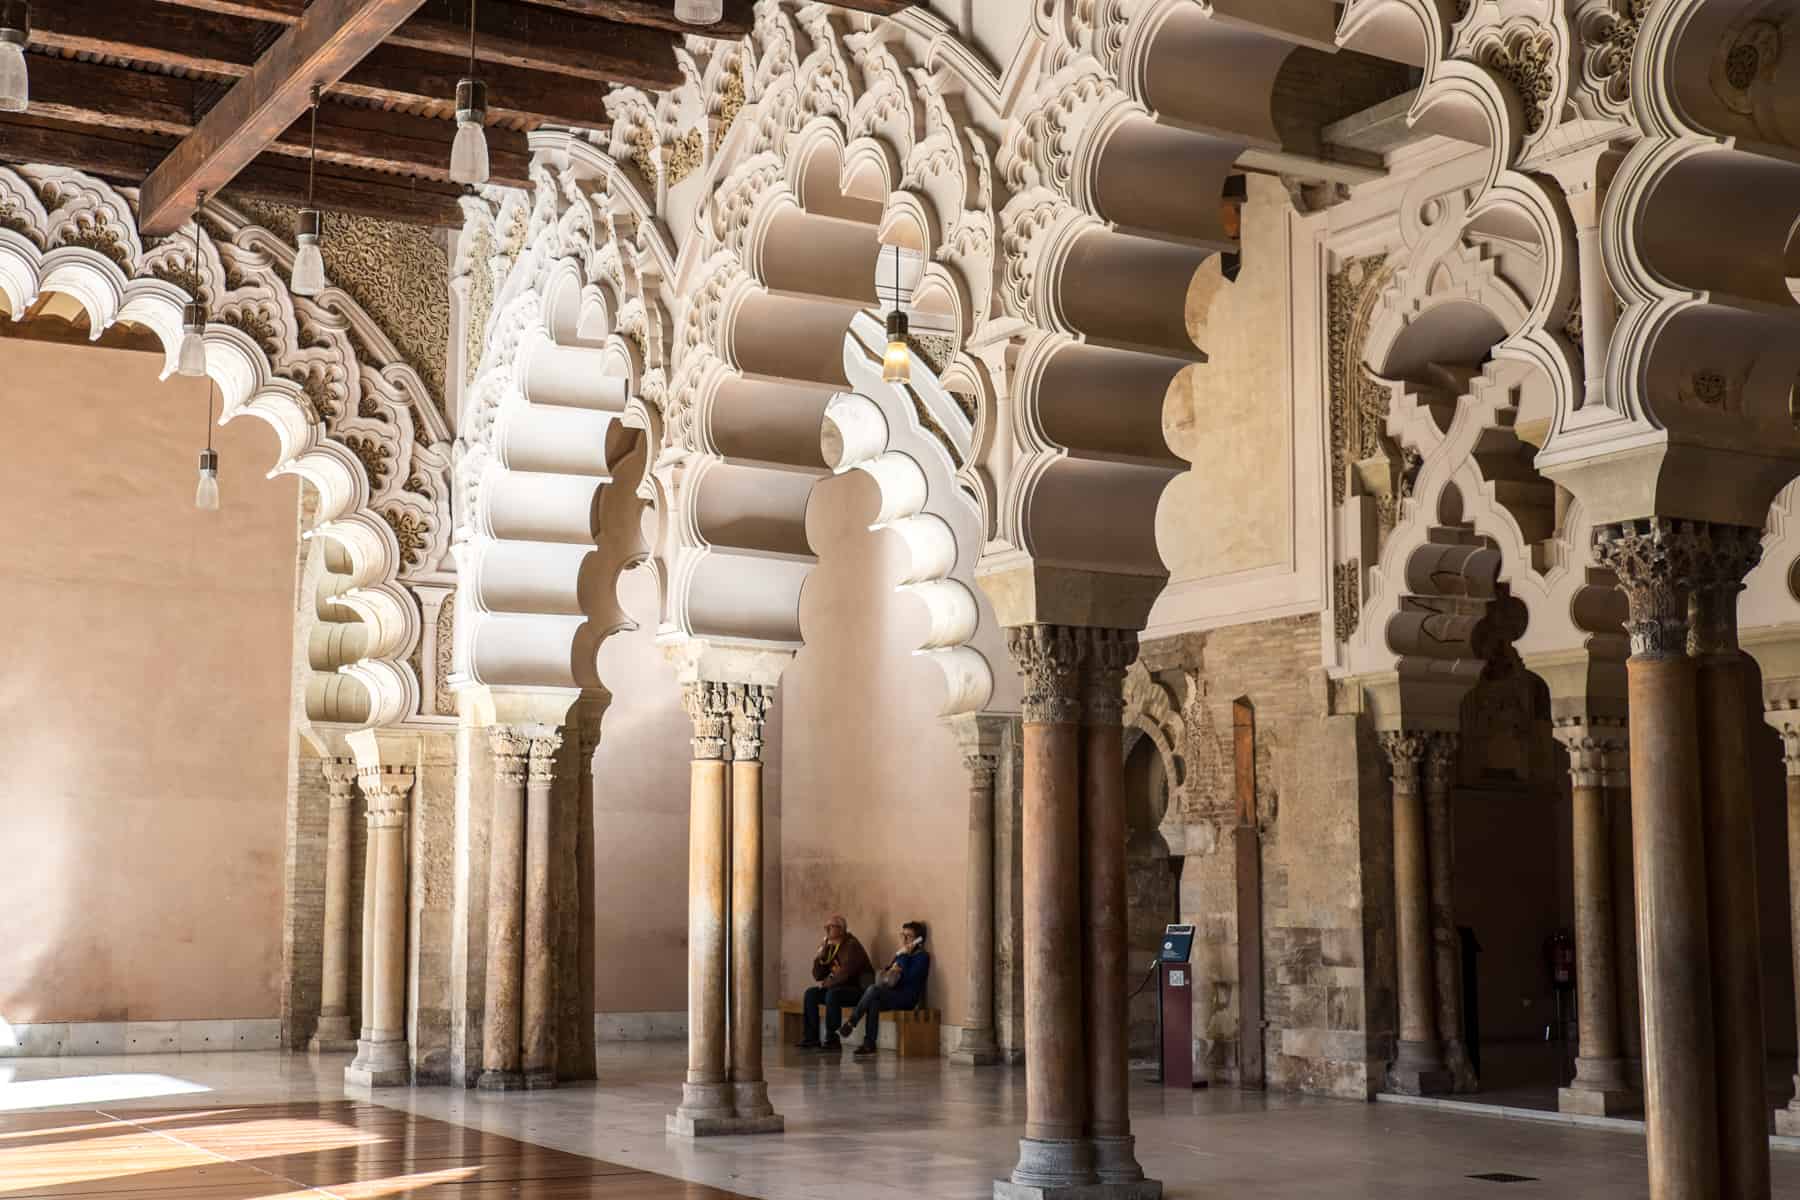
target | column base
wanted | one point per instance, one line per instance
(379, 1063)
(750, 1101)
(321, 1045)
(1787, 1120)
(1419, 1071)
(1115, 1160)
(1053, 1163)
(495, 1080)
(682, 1125)
(540, 1079)
(333, 1036)
(1597, 1102)
(1143, 1189)
(976, 1048)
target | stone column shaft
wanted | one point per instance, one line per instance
(1655, 563)
(334, 1031)
(381, 1059)
(1787, 1120)
(1107, 1018)
(1054, 1151)
(1446, 944)
(1419, 1063)
(501, 1057)
(538, 1002)
(977, 1046)
(1729, 817)
(749, 1092)
(1601, 1086)
(366, 1015)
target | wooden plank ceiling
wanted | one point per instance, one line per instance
(183, 96)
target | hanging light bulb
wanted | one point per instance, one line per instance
(191, 361)
(206, 492)
(15, 31)
(896, 364)
(469, 153)
(699, 12)
(309, 264)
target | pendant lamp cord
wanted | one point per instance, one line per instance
(471, 39)
(211, 389)
(312, 159)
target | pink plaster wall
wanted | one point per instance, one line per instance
(875, 797)
(144, 701)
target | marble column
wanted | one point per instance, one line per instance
(1438, 775)
(1656, 561)
(706, 1102)
(1054, 1153)
(382, 1059)
(749, 1092)
(1787, 1120)
(1104, 949)
(501, 1021)
(334, 1032)
(1726, 680)
(980, 739)
(537, 1009)
(1602, 1086)
(1418, 1067)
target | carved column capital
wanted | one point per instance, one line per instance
(1726, 555)
(388, 789)
(1656, 560)
(1049, 660)
(587, 743)
(511, 748)
(544, 743)
(1405, 751)
(1109, 653)
(709, 707)
(1787, 723)
(1597, 748)
(749, 712)
(340, 777)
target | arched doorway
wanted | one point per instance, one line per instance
(1153, 880)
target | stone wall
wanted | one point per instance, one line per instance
(1315, 795)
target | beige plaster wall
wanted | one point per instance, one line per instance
(875, 797)
(641, 822)
(144, 703)
(1232, 416)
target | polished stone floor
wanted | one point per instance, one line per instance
(886, 1128)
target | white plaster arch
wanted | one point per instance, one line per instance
(339, 414)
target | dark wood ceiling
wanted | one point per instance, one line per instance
(183, 96)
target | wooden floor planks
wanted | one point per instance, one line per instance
(344, 1149)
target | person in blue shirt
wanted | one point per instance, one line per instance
(898, 989)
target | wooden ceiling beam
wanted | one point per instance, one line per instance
(523, 35)
(100, 94)
(332, 37)
(650, 14)
(124, 156)
(172, 35)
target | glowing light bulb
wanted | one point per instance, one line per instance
(192, 358)
(309, 264)
(699, 12)
(469, 153)
(896, 364)
(206, 494)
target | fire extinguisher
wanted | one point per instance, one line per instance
(1560, 953)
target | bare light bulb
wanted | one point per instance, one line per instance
(469, 153)
(699, 12)
(896, 364)
(206, 494)
(191, 361)
(309, 263)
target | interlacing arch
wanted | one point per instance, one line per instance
(352, 418)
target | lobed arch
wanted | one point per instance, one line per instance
(350, 417)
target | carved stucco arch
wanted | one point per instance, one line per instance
(350, 416)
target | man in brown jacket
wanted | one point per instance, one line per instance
(841, 970)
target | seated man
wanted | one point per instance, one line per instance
(841, 969)
(900, 988)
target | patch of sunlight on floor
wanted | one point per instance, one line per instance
(91, 1089)
(398, 1185)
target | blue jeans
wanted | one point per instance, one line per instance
(835, 1000)
(874, 1002)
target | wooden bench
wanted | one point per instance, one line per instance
(915, 1033)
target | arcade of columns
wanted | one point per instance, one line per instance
(654, 340)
